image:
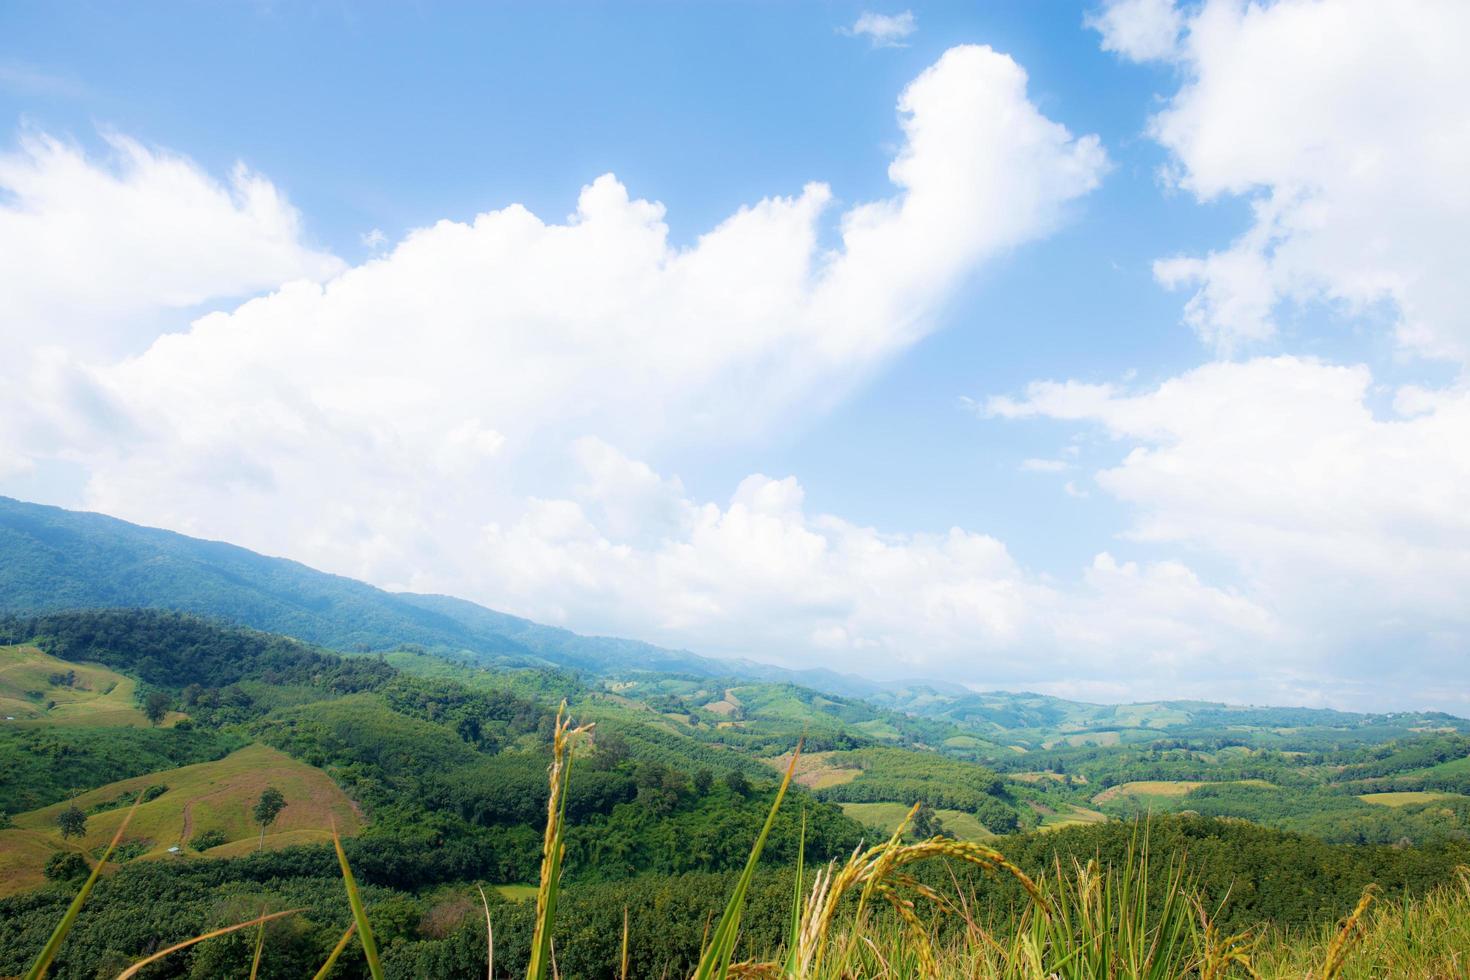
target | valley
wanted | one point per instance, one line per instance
(426, 747)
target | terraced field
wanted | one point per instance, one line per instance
(208, 796)
(37, 687)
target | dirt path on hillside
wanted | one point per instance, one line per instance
(188, 830)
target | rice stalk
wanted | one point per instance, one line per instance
(553, 849)
(1352, 932)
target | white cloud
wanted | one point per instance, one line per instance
(1344, 125)
(1139, 30)
(1353, 529)
(374, 239)
(883, 30)
(92, 250)
(1044, 465)
(443, 416)
(760, 576)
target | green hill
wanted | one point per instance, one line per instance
(38, 687)
(53, 559)
(207, 797)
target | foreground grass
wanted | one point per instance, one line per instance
(872, 916)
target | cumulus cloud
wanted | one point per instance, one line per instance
(1353, 528)
(93, 249)
(1343, 124)
(445, 415)
(761, 576)
(883, 30)
(1139, 30)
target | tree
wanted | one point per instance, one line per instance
(266, 809)
(739, 785)
(703, 781)
(926, 823)
(156, 706)
(72, 821)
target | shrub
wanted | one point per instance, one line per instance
(206, 839)
(66, 866)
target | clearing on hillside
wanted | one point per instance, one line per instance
(1405, 798)
(35, 686)
(1070, 815)
(886, 816)
(1143, 789)
(816, 770)
(208, 796)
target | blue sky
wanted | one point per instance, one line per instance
(1244, 481)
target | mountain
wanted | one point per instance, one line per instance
(53, 559)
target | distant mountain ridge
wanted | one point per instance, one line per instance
(53, 559)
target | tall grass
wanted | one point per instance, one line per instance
(870, 916)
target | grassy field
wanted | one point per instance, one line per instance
(1406, 798)
(94, 696)
(886, 816)
(1098, 739)
(1145, 789)
(209, 796)
(1070, 816)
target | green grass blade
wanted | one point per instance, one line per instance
(336, 952)
(793, 932)
(715, 962)
(132, 971)
(58, 935)
(259, 948)
(359, 914)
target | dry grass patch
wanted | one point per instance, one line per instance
(816, 771)
(1406, 798)
(207, 796)
(31, 691)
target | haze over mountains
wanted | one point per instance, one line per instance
(54, 559)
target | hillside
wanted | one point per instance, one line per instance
(193, 800)
(37, 687)
(440, 766)
(53, 559)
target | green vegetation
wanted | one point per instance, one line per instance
(434, 770)
(1122, 918)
